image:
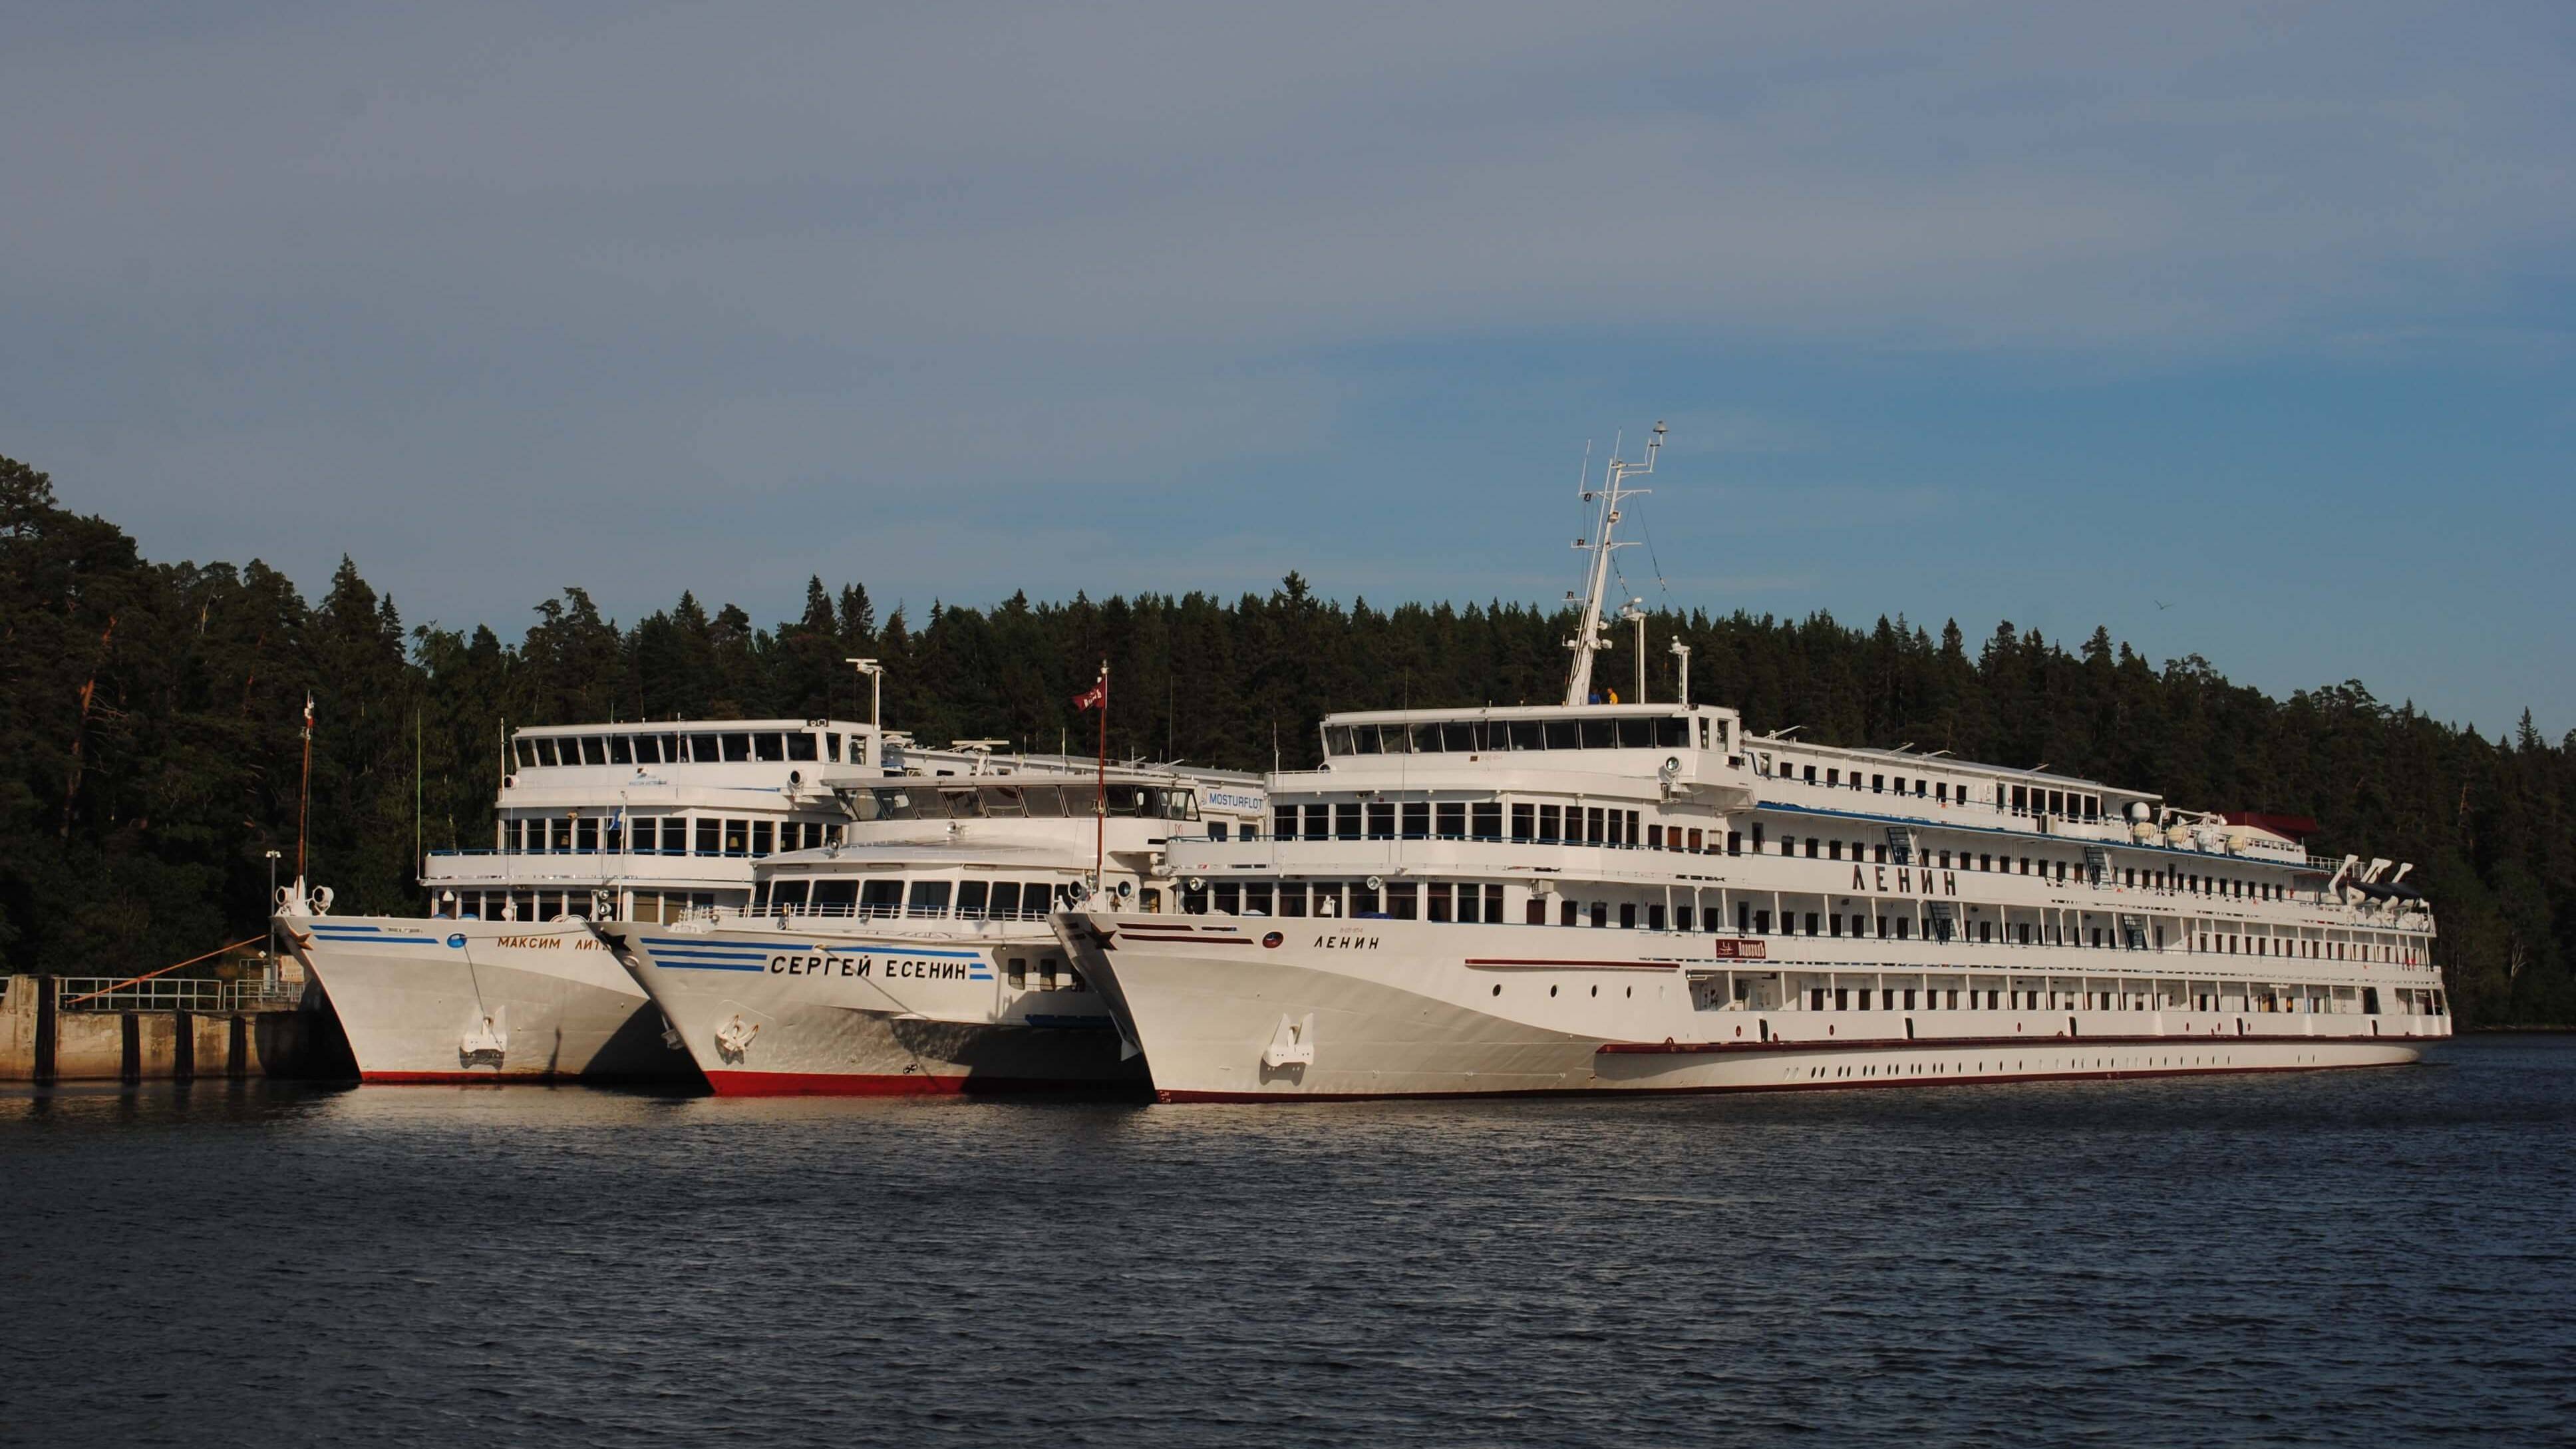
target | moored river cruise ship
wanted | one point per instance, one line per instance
(914, 955)
(1635, 897)
(504, 980)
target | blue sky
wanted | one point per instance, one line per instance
(1989, 311)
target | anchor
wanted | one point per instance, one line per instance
(486, 1039)
(1292, 1045)
(733, 1039)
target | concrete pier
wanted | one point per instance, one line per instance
(41, 1042)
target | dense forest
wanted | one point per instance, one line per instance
(150, 716)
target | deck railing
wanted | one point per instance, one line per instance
(174, 993)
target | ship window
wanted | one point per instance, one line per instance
(1600, 913)
(1568, 914)
(1486, 820)
(1452, 817)
(621, 750)
(1346, 821)
(585, 836)
(1439, 901)
(1229, 898)
(1551, 822)
(710, 837)
(1636, 734)
(1524, 822)
(737, 837)
(1283, 824)
(1426, 739)
(1672, 734)
(760, 837)
(1403, 902)
(545, 751)
(703, 750)
(1457, 737)
(1519, 734)
(1292, 900)
(1563, 734)
(648, 749)
(1417, 819)
(1627, 915)
(1877, 784)
(594, 750)
(787, 897)
(800, 746)
(1256, 900)
(1592, 825)
(1788, 845)
(1319, 822)
(1735, 842)
(1381, 820)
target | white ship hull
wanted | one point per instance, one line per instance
(471, 1001)
(872, 1009)
(1374, 1008)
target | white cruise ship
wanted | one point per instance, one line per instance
(503, 979)
(1639, 897)
(914, 954)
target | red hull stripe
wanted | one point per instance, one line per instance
(1855, 1085)
(916, 1084)
(1969, 1043)
(1504, 963)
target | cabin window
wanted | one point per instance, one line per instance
(1283, 821)
(737, 747)
(1292, 900)
(1811, 774)
(1878, 784)
(1346, 821)
(1010, 900)
(1551, 823)
(1487, 820)
(1562, 735)
(880, 898)
(1654, 837)
(1364, 901)
(710, 837)
(1734, 842)
(800, 745)
(1591, 825)
(621, 749)
(1229, 898)
(1524, 822)
(1600, 914)
(545, 752)
(1627, 915)
(1319, 822)
(1256, 900)
(1381, 820)
(832, 748)
(768, 746)
(1451, 819)
(1833, 924)
(1534, 912)
(1469, 904)
(1439, 903)
(1695, 842)
(1788, 845)
(787, 897)
(1417, 819)
(737, 837)
(1682, 918)
(1811, 923)
(1568, 914)
(1600, 734)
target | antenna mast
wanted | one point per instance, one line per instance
(1590, 638)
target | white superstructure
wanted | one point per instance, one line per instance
(914, 954)
(1642, 897)
(504, 979)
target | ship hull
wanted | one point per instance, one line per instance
(883, 1013)
(1261, 1010)
(428, 1001)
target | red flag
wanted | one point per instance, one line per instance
(1097, 697)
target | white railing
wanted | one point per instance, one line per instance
(174, 993)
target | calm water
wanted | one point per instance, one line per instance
(2362, 1258)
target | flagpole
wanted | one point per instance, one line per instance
(304, 795)
(1100, 801)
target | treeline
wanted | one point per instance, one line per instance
(150, 719)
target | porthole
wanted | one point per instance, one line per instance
(1551, 991)
(1596, 991)
(1498, 988)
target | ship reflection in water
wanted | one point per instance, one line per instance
(2362, 1257)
